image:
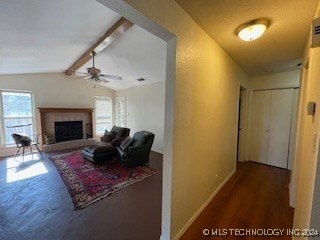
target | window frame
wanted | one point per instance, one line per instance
(124, 119)
(2, 117)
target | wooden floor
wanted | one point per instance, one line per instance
(256, 197)
(39, 207)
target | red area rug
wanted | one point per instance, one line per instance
(88, 183)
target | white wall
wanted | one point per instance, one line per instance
(53, 91)
(145, 110)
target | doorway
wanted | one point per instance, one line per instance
(241, 126)
(125, 10)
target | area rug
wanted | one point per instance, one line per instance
(88, 183)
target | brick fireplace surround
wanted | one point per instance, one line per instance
(50, 115)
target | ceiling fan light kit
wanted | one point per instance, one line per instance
(252, 30)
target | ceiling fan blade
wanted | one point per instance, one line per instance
(103, 80)
(77, 75)
(80, 77)
(111, 76)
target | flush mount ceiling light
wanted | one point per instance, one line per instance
(252, 30)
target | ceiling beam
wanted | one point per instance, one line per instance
(111, 34)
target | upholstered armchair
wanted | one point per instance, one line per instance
(115, 136)
(135, 151)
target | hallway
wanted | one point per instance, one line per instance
(256, 197)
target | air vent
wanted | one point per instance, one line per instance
(315, 33)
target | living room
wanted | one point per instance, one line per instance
(134, 55)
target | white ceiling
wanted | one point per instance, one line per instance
(279, 49)
(49, 36)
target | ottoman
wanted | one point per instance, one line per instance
(98, 153)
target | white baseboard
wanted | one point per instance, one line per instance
(162, 238)
(157, 151)
(188, 224)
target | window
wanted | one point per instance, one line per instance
(16, 109)
(121, 112)
(103, 114)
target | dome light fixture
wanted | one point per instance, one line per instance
(252, 30)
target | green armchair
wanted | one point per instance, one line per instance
(135, 151)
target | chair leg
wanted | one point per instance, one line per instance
(38, 149)
(18, 151)
(23, 154)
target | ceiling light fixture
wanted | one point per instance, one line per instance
(252, 30)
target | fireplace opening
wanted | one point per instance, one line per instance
(69, 130)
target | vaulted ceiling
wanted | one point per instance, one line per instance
(279, 49)
(49, 36)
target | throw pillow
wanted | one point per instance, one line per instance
(126, 143)
(108, 136)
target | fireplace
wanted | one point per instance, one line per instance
(69, 130)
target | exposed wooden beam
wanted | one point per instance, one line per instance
(111, 34)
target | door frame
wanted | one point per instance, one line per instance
(242, 123)
(125, 10)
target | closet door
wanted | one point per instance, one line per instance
(260, 126)
(279, 130)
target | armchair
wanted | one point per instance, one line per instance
(115, 136)
(135, 151)
(104, 151)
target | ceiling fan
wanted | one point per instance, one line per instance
(94, 75)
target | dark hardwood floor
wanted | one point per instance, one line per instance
(256, 197)
(39, 206)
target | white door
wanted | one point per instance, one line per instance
(279, 127)
(260, 126)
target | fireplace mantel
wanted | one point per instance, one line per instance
(65, 111)
(47, 110)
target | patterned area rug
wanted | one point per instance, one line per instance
(88, 183)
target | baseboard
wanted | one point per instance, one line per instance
(162, 238)
(157, 151)
(188, 224)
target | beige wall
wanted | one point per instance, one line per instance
(53, 90)
(205, 115)
(307, 152)
(145, 110)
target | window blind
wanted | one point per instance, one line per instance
(16, 108)
(103, 114)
